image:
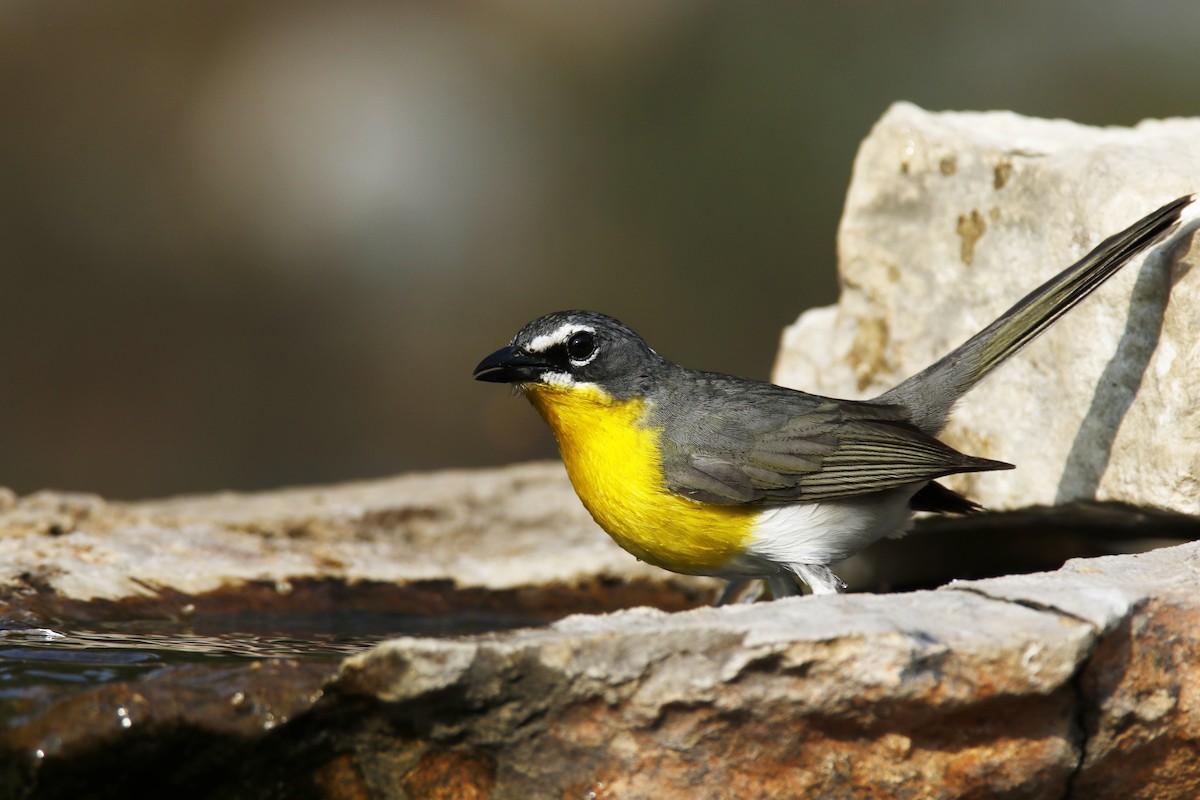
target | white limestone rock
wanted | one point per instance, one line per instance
(953, 217)
(492, 529)
(1105, 591)
(929, 694)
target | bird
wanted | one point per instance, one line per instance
(703, 473)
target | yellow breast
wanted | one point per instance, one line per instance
(613, 461)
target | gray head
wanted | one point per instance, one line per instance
(569, 348)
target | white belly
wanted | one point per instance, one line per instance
(829, 530)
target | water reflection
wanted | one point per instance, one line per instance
(41, 664)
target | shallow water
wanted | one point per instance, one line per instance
(61, 660)
(39, 665)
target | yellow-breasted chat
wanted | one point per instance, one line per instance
(708, 474)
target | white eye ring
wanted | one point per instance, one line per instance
(582, 339)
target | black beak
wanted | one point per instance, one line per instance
(509, 365)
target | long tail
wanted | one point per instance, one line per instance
(932, 392)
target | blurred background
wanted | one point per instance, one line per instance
(244, 245)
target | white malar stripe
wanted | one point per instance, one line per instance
(541, 344)
(565, 380)
(558, 379)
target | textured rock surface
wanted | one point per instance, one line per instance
(122, 638)
(1078, 683)
(487, 529)
(995, 688)
(968, 691)
(1140, 690)
(931, 695)
(953, 217)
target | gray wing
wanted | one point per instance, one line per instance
(738, 442)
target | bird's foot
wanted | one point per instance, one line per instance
(819, 578)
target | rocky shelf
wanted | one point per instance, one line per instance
(1073, 683)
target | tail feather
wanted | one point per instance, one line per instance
(937, 498)
(931, 394)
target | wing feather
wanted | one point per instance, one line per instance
(771, 445)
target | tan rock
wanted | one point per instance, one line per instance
(1139, 691)
(1079, 681)
(930, 694)
(953, 217)
(484, 529)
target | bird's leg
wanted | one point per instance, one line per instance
(783, 586)
(729, 592)
(740, 591)
(819, 578)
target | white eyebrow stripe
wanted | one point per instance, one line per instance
(541, 344)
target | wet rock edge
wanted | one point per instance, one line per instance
(423, 712)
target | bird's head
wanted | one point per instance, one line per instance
(574, 350)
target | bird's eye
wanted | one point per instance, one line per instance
(581, 346)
